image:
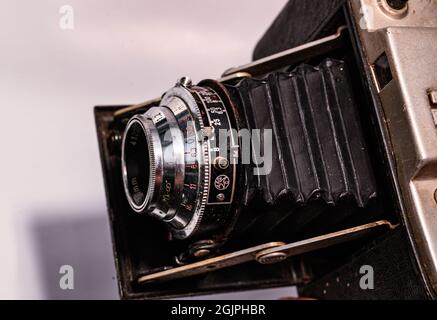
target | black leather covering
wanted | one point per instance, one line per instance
(394, 274)
(299, 22)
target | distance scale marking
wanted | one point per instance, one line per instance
(191, 180)
(167, 188)
(222, 181)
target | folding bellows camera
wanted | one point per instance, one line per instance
(298, 168)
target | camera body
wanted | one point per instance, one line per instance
(338, 162)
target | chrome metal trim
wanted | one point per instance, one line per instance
(410, 45)
(187, 100)
(155, 162)
(261, 252)
(287, 57)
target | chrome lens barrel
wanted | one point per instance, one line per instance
(173, 168)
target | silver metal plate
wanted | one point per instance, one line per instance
(409, 42)
(266, 253)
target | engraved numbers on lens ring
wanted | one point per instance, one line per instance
(167, 189)
(222, 182)
(218, 119)
(216, 122)
(216, 110)
(191, 175)
(187, 206)
(158, 117)
(191, 165)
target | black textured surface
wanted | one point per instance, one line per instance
(318, 148)
(394, 274)
(299, 22)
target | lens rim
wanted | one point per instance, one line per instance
(148, 134)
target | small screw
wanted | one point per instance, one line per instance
(273, 257)
(221, 163)
(185, 81)
(201, 253)
(220, 197)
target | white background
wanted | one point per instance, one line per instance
(52, 203)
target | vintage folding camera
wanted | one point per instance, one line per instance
(315, 165)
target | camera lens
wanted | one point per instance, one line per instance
(173, 168)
